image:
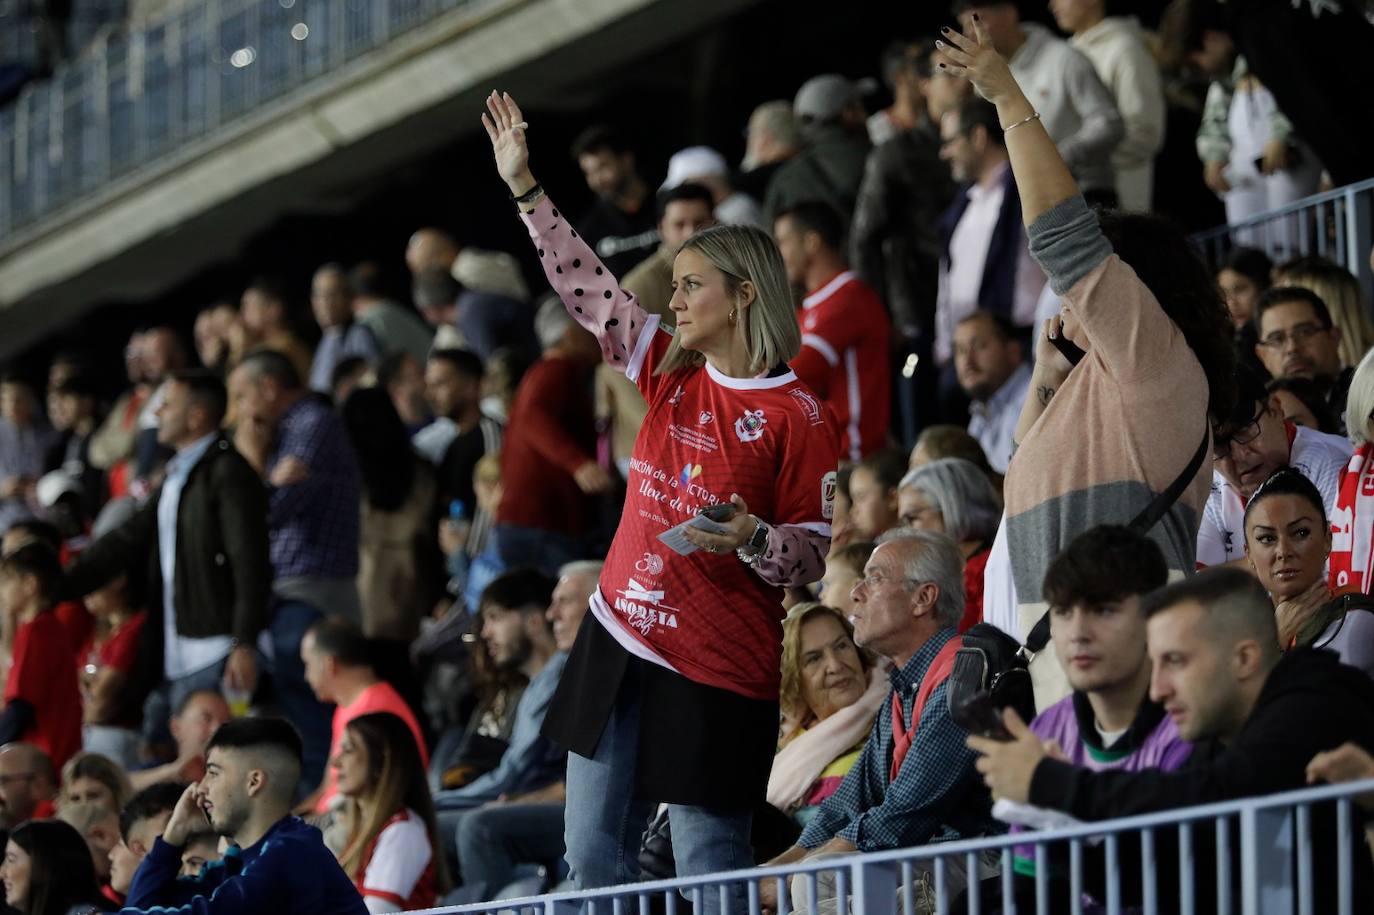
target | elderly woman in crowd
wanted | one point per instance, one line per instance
(831, 689)
(953, 496)
(1287, 540)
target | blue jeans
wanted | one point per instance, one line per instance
(294, 697)
(494, 841)
(605, 822)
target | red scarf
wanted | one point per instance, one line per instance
(1352, 525)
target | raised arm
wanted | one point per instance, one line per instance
(591, 294)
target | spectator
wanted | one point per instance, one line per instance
(873, 494)
(42, 701)
(1287, 542)
(952, 496)
(392, 846)
(25, 440)
(908, 108)
(349, 375)
(1123, 279)
(619, 226)
(111, 685)
(331, 300)
(1343, 296)
(203, 539)
(338, 667)
(267, 322)
(1110, 722)
(403, 379)
(1117, 49)
(504, 372)
(98, 825)
(396, 328)
(436, 293)
(201, 848)
(1298, 337)
(397, 520)
(906, 788)
(496, 838)
(1218, 672)
(986, 264)
(894, 241)
(301, 447)
(1302, 404)
(548, 464)
(770, 139)
(703, 166)
(453, 387)
(113, 443)
(192, 724)
(213, 331)
(493, 309)
(683, 211)
(89, 778)
(282, 864)
(1244, 276)
(1247, 447)
(830, 118)
(831, 691)
(1076, 108)
(73, 410)
(994, 376)
(944, 441)
(47, 870)
(140, 823)
(843, 569)
(1251, 157)
(845, 329)
(430, 249)
(28, 785)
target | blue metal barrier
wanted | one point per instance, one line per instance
(1275, 858)
(155, 90)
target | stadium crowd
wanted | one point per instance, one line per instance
(300, 620)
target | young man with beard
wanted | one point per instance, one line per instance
(276, 863)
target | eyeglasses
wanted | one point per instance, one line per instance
(1299, 334)
(873, 582)
(1221, 444)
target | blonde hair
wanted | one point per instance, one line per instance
(747, 254)
(1359, 402)
(793, 706)
(1344, 299)
(102, 769)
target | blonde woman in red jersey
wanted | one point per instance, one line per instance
(671, 690)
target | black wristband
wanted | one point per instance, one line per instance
(528, 195)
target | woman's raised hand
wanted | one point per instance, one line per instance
(975, 59)
(506, 127)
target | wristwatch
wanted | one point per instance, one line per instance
(753, 547)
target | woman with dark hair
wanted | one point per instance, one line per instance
(1303, 404)
(47, 870)
(1242, 277)
(1288, 541)
(1106, 439)
(392, 850)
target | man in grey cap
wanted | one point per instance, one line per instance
(830, 166)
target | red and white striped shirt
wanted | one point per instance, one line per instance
(845, 360)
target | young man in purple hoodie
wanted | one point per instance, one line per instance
(1097, 627)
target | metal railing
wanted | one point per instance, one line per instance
(1336, 224)
(1269, 869)
(144, 94)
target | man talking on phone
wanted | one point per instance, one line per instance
(914, 783)
(1097, 628)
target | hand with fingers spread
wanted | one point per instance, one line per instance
(975, 59)
(506, 128)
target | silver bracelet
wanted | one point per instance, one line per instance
(1034, 117)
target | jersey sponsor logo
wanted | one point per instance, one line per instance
(749, 427)
(828, 485)
(693, 438)
(810, 406)
(689, 473)
(644, 608)
(650, 564)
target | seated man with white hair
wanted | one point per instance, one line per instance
(915, 782)
(704, 166)
(954, 497)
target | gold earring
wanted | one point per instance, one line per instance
(734, 314)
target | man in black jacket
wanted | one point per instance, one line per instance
(202, 536)
(1256, 718)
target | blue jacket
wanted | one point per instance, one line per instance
(287, 870)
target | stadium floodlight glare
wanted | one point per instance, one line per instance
(243, 57)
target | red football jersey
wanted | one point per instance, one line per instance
(845, 359)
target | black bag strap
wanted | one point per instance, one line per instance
(1039, 635)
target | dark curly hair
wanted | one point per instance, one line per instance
(1166, 262)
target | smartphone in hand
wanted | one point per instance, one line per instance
(978, 715)
(720, 512)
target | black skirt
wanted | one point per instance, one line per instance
(698, 745)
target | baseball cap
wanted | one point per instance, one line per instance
(822, 98)
(693, 162)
